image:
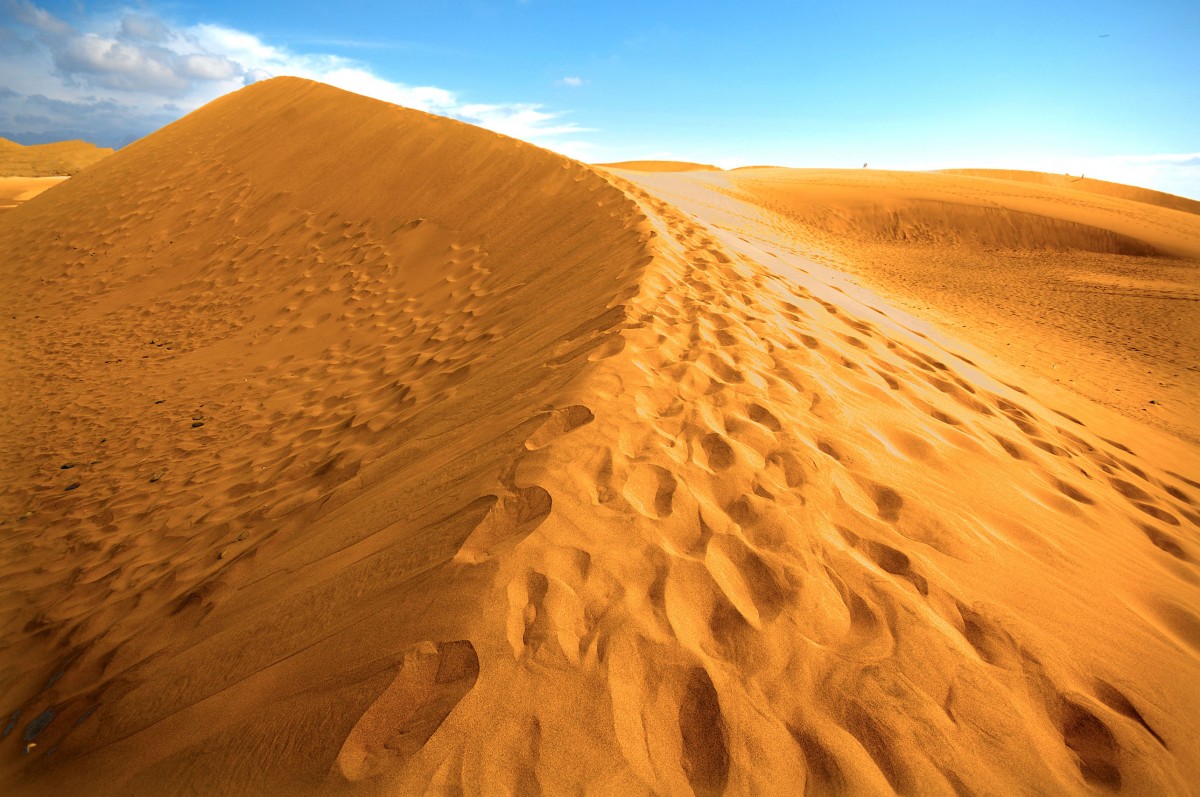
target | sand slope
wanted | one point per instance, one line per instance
(412, 459)
(15, 190)
(48, 160)
(1095, 293)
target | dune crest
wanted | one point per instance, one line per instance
(448, 465)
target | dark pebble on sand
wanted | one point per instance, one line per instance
(197, 423)
(12, 721)
(72, 486)
(39, 723)
(66, 466)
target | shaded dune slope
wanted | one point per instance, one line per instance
(48, 160)
(516, 479)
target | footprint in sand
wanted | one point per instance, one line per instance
(432, 680)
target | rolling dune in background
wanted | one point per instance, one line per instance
(61, 158)
(1091, 185)
(352, 450)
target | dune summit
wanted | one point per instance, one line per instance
(352, 450)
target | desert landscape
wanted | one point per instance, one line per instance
(353, 450)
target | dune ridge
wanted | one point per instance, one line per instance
(477, 470)
(60, 158)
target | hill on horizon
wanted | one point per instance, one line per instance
(61, 158)
(1091, 185)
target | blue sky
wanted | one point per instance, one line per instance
(1111, 89)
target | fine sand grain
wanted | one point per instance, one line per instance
(351, 450)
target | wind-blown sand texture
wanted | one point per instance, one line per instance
(61, 158)
(351, 450)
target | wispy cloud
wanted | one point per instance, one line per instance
(114, 79)
(571, 81)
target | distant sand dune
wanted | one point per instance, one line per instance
(61, 158)
(662, 166)
(358, 451)
(1080, 183)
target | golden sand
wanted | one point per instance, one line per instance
(351, 450)
(15, 190)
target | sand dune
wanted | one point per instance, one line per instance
(61, 158)
(661, 166)
(1088, 184)
(351, 450)
(1093, 293)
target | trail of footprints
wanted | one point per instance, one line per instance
(715, 448)
(166, 466)
(713, 494)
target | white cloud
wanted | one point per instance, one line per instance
(146, 29)
(572, 82)
(37, 18)
(156, 72)
(519, 120)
